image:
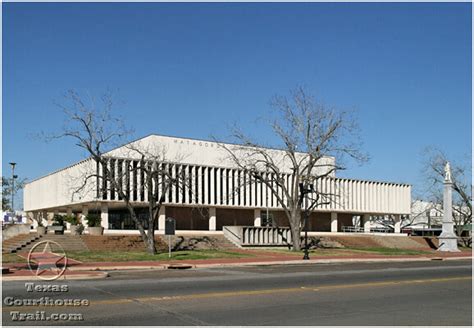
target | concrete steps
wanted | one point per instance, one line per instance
(20, 242)
(67, 242)
(223, 243)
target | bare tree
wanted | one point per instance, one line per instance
(9, 188)
(95, 130)
(462, 187)
(416, 218)
(307, 132)
(435, 161)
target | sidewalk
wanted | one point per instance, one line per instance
(94, 270)
(265, 259)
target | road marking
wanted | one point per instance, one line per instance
(257, 292)
(279, 290)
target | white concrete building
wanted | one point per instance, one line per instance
(426, 215)
(217, 197)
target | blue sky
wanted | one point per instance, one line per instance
(193, 69)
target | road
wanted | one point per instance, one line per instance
(416, 293)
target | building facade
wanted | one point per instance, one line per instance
(217, 193)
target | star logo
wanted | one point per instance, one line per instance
(47, 260)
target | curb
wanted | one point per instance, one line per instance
(457, 258)
(329, 261)
(95, 275)
(287, 262)
(292, 262)
(119, 267)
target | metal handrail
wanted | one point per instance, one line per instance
(226, 229)
(352, 229)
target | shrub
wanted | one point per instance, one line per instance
(93, 220)
(72, 219)
(58, 220)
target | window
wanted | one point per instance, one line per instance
(267, 221)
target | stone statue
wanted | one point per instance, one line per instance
(448, 241)
(447, 172)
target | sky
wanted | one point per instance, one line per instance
(193, 70)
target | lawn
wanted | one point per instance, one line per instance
(117, 256)
(98, 256)
(12, 258)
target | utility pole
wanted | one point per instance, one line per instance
(13, 186)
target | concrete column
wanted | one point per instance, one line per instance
(257, 219)
(31, 218)
(55, 212)
(104, 216)
(44, 217)
(85, 212)
(333, 222)
(162, 218)
(212, 219)
(68, 213)
(398, 223)
(366, 222)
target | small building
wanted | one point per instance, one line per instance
(216, 198)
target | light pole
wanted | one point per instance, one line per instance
(304, 191)
(266, 198)
(13, 185)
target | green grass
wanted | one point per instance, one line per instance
(116, 256)
(12, 258)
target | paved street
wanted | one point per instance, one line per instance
(416, 293)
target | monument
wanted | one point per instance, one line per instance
(448, 241)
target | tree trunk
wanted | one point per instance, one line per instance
(296, 237)
(150, 243)
(295, 226)
(148, 238)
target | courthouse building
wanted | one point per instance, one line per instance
(218, 193)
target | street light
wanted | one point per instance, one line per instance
(13, 185)
(303, 192)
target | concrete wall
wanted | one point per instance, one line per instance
(13, 230)
(57, 189)
(224, 187)
(198, 152)
(221, 182)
